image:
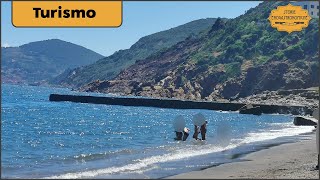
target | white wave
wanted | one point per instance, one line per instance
(146, 162)
(289, 130)
(187, 152)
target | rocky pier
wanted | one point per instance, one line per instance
(180, 104)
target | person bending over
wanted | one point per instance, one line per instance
(178, 136)
(185, 133)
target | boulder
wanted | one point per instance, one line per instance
(304, 121)
(250, 109)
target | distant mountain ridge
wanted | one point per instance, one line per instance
(109, 67)
(37, 62)
(232, 59)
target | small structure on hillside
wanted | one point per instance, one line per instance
(311, 6)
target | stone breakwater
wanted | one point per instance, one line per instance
(300, 97)
(180, 104)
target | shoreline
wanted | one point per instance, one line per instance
(291, 160)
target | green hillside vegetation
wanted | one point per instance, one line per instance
(231, 59)
(107, 68)
(251, 37)
(37, 62)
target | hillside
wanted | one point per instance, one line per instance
(107, 68)
(36, 62)
(233, 59)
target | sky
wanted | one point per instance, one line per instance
(139, 19)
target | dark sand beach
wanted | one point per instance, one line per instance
(287, 161)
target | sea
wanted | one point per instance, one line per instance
(44, 139)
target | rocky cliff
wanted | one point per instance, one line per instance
(232, 59)
(109, 67)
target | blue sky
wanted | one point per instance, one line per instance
(139, 19)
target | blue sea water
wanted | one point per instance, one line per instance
(43, 139)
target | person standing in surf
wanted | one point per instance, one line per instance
(199, 120)
(203, 130)
(196, 132)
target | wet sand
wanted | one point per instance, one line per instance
(287, 161)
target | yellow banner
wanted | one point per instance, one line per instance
(289, 18)
(67, 13)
